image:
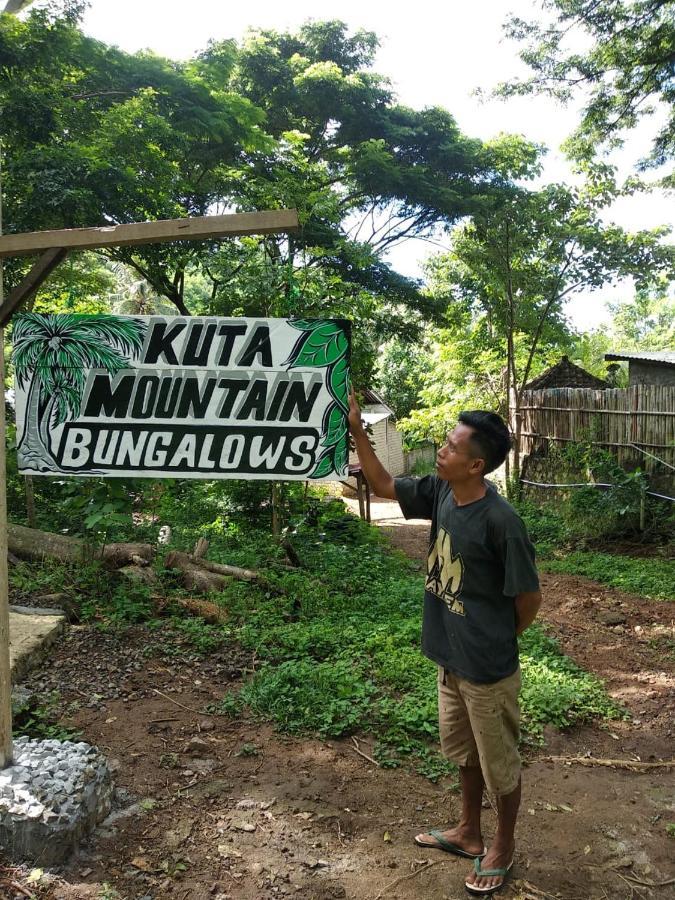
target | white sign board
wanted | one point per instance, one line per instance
(197, 397)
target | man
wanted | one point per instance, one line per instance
(481, 591)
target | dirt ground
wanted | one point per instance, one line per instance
(214, 808)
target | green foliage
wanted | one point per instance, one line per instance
(400, 374)
(338, 642)
(555, 690)
(647, 322)
(39, 718)
(282, 120)
(626, 67)
(193, 637)
(652, 578)
(329, 698)
(593, 515)
(99, 596)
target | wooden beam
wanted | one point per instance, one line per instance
(31, 283)
(198, 228)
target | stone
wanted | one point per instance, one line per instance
(611, 617)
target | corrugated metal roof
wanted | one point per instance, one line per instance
(663, 357)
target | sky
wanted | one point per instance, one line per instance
(434, 53)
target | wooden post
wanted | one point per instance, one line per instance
(5, 674)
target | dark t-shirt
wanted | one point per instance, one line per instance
(480, 558)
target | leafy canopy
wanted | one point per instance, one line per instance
(627, 69)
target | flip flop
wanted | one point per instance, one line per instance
(484, 892)
(447, 846)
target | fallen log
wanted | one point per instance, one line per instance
(193, 575)
(34, 545)
(209, 612)
(195, 569)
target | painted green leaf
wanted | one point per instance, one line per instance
(303, 324)
(325, 345)
(324, 466)
(338, 383)
(341, 455)
(334, 425)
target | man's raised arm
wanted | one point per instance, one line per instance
(377, 476)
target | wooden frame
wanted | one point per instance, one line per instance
(53, 247)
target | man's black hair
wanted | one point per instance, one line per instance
(490, 437)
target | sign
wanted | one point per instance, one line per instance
(176, 397)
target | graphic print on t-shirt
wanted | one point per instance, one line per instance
(445, 572)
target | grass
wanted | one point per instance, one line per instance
(351, 662)
(651, 578)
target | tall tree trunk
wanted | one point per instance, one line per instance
(277, 509)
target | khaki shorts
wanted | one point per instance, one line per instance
(479, 726)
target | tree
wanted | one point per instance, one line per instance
(118, 138)
(647, 322)
(285, 119)
(627, 71)
(511, 269)
(400, 374)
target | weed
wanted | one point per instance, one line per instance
(248, 750)
(108, 892)
(39, 718)
(168, 761)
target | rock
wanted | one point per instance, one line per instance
(609, 617)
(238, 825)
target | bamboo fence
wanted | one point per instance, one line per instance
(637, 424)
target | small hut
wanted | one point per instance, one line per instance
(566, 374)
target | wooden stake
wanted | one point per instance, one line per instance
(6, 750)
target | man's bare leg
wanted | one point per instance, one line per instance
(466, 834)
(502, 848)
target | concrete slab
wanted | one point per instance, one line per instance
(31, 633)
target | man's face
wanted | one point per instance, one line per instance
(456, 461)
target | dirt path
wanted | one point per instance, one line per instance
(215, 808)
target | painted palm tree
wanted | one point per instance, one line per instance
(53, 352)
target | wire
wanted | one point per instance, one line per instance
(596, 484)
(657, 458)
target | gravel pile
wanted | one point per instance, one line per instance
(52, 795)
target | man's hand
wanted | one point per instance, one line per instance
(527, 607)
(376, 475)
(355, 421)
